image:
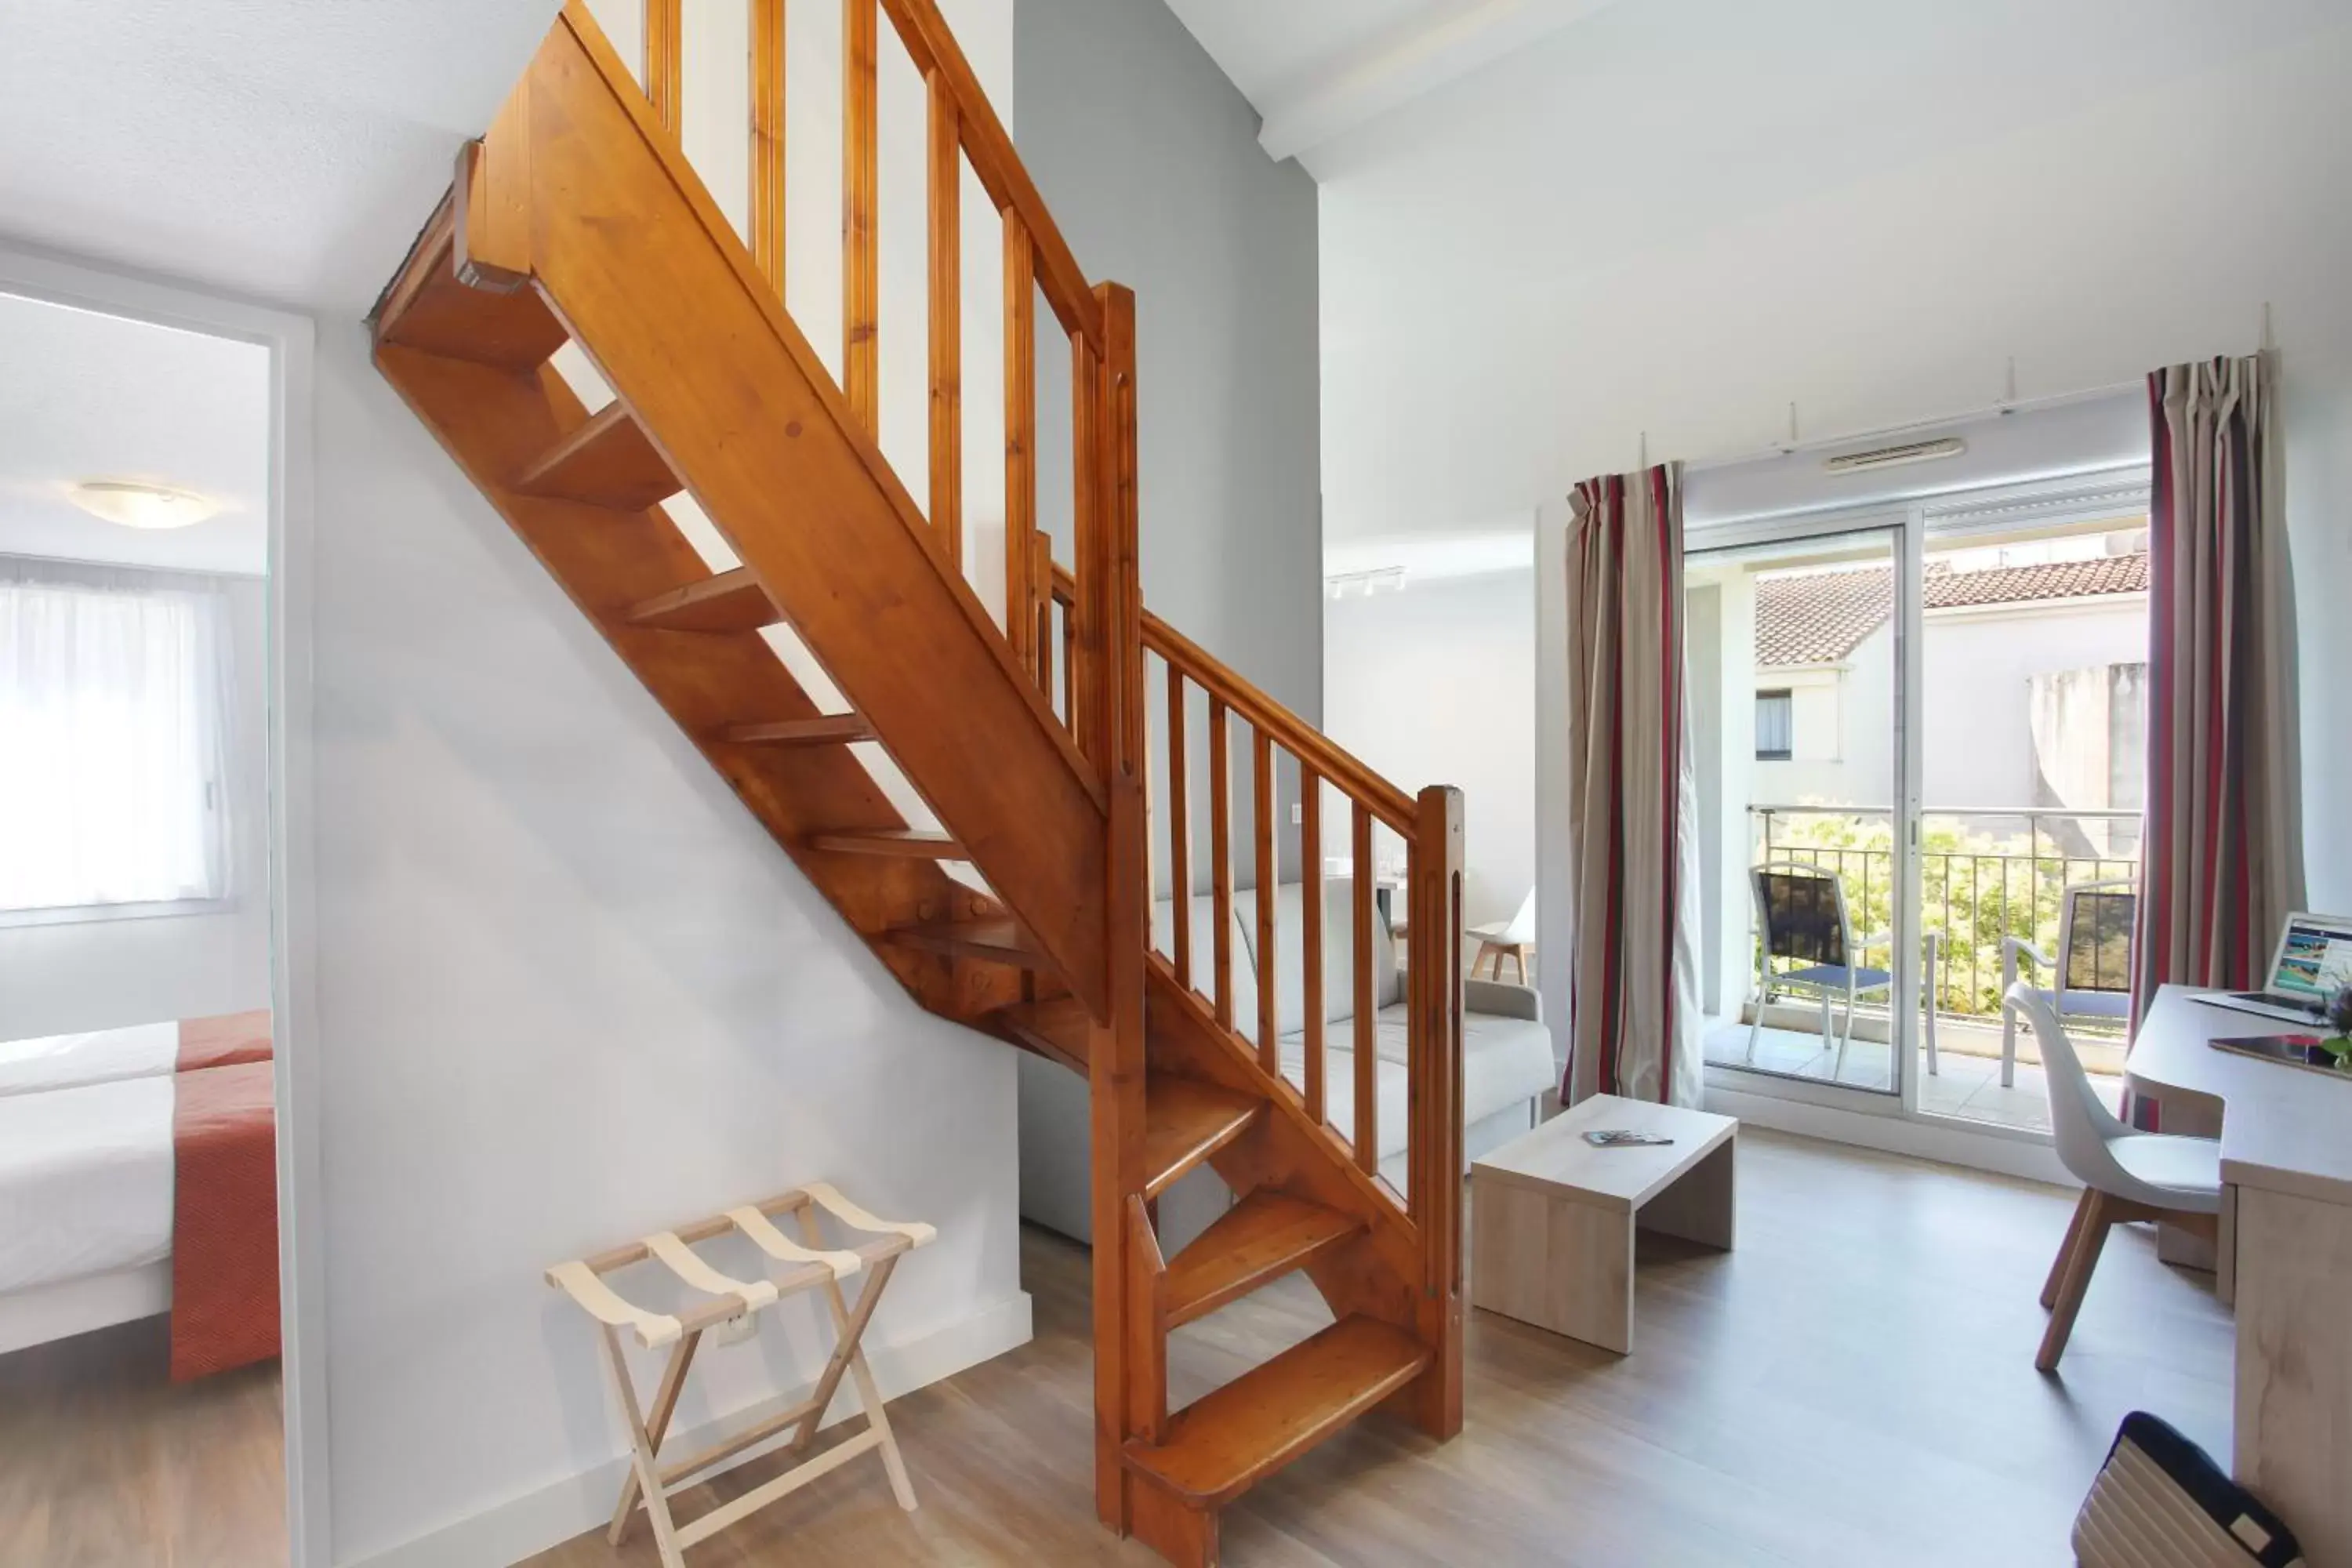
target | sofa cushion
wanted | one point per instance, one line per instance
(1339, 952)
(1505, 1062)
(1203, 911)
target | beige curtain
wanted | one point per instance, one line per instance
(2223, 866)
(1633, 1012)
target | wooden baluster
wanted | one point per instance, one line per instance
(1310, 935)
(1269, 1028)
(1122, 498)
(1089, 646)
(1070, 667)
(1221, 867)
(1368, 1142)
(768, 140)
(861, 262)
(665, 65)
(1046, 650)
(1433, 1056)
(1020, 586)
(1041, 595)
(946, 160)
(1179, 831)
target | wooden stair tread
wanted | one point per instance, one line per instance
(1259, 1239)
(992, 939)
(730, 601)
(1220, 1444)
(906, 843)
(429, 310)
(826, 729)
(1185, 1121)
(1058, 1029)
(609, 462)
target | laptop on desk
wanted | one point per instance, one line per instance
(2314, 957)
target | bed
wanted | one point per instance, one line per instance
(138, 1173)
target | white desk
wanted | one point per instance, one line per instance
(2286, 1251)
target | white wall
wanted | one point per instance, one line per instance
(1437, 685)
(1867, 210)
(570, 991)
(1979, 664)
(99, 974)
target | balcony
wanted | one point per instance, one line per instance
(1987, 874)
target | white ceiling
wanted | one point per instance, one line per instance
(1314, 70)
(86, 396)
(286, 150)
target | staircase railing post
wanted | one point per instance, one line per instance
(1110, 616)
(1435, 1097)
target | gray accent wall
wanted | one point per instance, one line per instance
(1149, 158)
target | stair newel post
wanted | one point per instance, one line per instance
(1434, 1098)
(1130, 1384)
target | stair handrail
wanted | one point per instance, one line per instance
(986, 142)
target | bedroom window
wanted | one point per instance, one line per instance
(113, 794)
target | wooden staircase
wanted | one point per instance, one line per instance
(577, 220)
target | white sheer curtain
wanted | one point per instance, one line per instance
(114, 781)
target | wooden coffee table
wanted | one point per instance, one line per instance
(1552, 1217)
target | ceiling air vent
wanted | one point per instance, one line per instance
(1894, 457)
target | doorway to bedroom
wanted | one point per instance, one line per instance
(139, 1247)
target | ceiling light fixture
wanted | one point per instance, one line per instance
(136, 505)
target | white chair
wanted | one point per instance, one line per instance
(2126, 1175)
(1510, 939)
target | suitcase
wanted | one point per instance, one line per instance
(2160, 1501)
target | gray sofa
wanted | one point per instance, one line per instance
(1506, 1058)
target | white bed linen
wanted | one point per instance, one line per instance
(85, 1181)
(102, 1056)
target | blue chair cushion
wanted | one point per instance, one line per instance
(2093, 1004)
(1832, 977)
(2087, 1004)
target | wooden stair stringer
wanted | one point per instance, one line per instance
(491, 421)
(597, 202)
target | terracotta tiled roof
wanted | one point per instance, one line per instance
(1819, 618)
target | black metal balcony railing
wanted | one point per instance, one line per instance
(1978, 884)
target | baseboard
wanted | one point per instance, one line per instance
(47, 1313)
(553, 1514)
(2005, 1156)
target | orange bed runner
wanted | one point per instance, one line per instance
(224, 1217)
(224, 1041)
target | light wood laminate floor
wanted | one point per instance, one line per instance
(106, 1463)
(1854, 1386)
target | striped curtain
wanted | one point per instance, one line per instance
(2222, 862)
(1633, 800)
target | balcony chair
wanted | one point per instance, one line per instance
(1508, 938)
(2126, 1175)
(2095, 949)
(1801, 910)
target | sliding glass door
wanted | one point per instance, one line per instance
(1797, 648)
(1919, 747)
(2033, 665)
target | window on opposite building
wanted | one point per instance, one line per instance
(1775, 725)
